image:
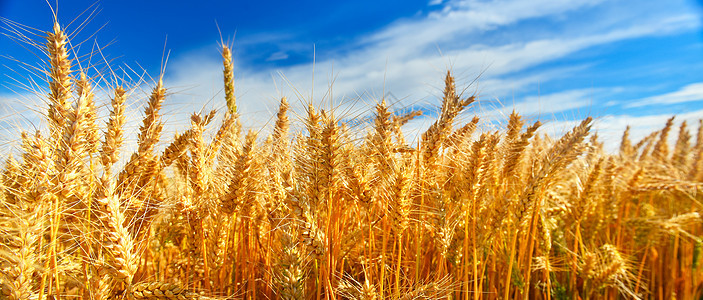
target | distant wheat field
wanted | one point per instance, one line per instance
(319, 213)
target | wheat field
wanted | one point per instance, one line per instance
(318, 213)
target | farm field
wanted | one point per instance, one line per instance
(321, 207)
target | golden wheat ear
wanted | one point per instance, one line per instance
(160, 291)
(229, 79)
(230, 98)
(238, 187)
(661, 148)
(626, 148)
(682, 149)
(60, 81)
(150, 131)
(84, 88)
(291, 265)
(282, 126)
(114, 135)
(696, 167)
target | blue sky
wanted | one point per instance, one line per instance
(621, 61)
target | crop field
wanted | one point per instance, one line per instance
(318, 209)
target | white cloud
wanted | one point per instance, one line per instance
(689, 93)
(463, 17)
(280, 55)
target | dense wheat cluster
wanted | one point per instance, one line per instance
(321, 214)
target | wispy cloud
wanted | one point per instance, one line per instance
(280, 55)
(689, 93)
